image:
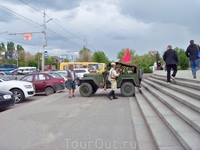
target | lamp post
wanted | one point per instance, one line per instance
(44, 43)
(85, 39)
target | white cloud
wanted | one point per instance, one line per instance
(109, 25)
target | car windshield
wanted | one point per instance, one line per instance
(4, 78)
(64, 73)
(56, 75)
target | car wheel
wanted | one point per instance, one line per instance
(18, 94)
(85, 90)
(127, 89)
(49, 91)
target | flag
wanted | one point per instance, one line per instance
(127, 56)
(28, 36)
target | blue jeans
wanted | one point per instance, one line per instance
(194, 65)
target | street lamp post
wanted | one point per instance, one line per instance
(44, 43)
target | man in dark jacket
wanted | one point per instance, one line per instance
(191, 52)
(171, 59)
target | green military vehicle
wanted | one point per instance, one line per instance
(129, 78)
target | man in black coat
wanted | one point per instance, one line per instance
(171, 59)
(191, 52)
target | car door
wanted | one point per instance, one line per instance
(40, 82)
(1, 85)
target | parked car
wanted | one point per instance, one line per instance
(7, 99)
(20, 89)
(58, 75)
(81, 71)
(44, 82)
(8, 75)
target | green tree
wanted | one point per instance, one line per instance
(85, 55)
(2, 47)
(183, 59)
(100, 57)
(10, 46)
(19, 47)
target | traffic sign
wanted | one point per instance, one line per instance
(45, 54)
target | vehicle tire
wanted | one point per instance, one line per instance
(19, 95)
(49, 91)
(85, 90)
(127, 89)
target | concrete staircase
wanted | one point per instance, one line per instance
(171, 112)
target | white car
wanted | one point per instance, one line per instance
(81, 71)
(20, 89)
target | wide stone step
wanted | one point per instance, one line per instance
(161, 134)
(185, 83)
(191, 116)
(186, 134)
(185, 90)
(180, 79)
(181, 97)
(143, 136)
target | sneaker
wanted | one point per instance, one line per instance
(173, 78)
(70, 97)
(195, 76)
(168, 83)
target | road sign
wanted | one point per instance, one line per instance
(45, 54)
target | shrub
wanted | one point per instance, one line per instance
(147, 70)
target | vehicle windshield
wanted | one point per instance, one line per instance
(56, 75)
(4, 78)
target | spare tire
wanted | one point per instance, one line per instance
(85, 89)
(127, 89)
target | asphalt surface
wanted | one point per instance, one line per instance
(56, 122)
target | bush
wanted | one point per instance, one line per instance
(147, 70)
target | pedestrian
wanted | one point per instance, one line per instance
(171, 59)
(191, 52)
(119, 69)
(71, 84)
(158, 65)
(113, 79)
(155, 66)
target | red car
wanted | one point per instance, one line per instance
(45, 82)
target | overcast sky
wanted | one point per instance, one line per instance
(105, 25)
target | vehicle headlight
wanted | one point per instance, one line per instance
(6, 96)
(28, 86)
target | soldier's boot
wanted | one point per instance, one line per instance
(110, 94)
(114, 97)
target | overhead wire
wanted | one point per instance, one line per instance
(55, 22)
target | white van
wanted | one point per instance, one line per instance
(26, 70)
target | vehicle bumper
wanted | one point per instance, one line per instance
(7, 103)
(58, 87)
(29, 93)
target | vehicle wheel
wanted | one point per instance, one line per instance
(19, 95)
(85, 90)
(49, 91)
(127, 89)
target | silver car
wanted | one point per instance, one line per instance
(8, 75)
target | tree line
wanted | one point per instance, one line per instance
(86, 55)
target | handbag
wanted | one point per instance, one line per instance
(198, 51)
